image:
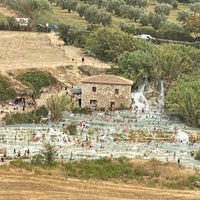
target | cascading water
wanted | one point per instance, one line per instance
(161, 96)
(140, 102)
(182, 137)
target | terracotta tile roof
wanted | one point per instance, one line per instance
(107, 79)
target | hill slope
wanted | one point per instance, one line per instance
(23, 186)
(22, 51)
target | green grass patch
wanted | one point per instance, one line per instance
(26, 117)
(84, 71)
(182, 183)
(103, 168)
(36, 80)
(21, 164)
(6, 91)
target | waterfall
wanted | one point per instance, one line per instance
(182, 136)
(161, 96)
(139, 100)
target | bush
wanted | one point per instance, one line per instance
(197, 155)
(6, 90)
(41, 111)
(19, 163)
(49, 153)
(20, 118)
(81, 110)
(26, 117)
(36, 80)
(144, 30)
(72, 128)
(103, 168)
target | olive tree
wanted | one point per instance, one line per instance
(162, 9)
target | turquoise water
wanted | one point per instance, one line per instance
(102, 142)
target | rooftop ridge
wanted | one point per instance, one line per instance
(107, 79)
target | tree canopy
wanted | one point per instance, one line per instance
(183, 98)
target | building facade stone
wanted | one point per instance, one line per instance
(104, 92)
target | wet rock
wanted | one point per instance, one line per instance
(196, 184)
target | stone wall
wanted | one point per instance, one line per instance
(105, 94)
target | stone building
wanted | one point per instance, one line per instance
(106, 91)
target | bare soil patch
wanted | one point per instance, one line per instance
(32, 50)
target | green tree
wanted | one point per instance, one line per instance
(81, 9)
(195, 7)
(134, 13)
(170, 61)
(114, 5)
(144, 20)
(182, 16)
(131, 2)
(133, 65)
(183, 99)
(108, 43)
(71, 35)
(123, 10)
(157, 21)
(56, 104)
(31, 8)
(167, 61)
(142, 3)
(127, 28)
(173, 31)
(162, 9)
(69, 5)
(49, 152)
(175, 5)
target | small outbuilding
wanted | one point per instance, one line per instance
(106, 91)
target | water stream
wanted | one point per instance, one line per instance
(107, 135)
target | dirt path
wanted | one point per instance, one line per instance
(39, 50)
(23, 187)
(21, 51)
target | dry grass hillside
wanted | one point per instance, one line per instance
(20, 51)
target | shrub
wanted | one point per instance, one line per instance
(81, 110)
(26, 117)
(20, 118)
(6, 90)
(103, 168)
(197, 155)
(35, 80)
(57, 104)
(49, 153)
(19, 163)
(72, 128)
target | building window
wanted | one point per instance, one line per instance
(116, 91)
(94, 89)
(93, 103)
